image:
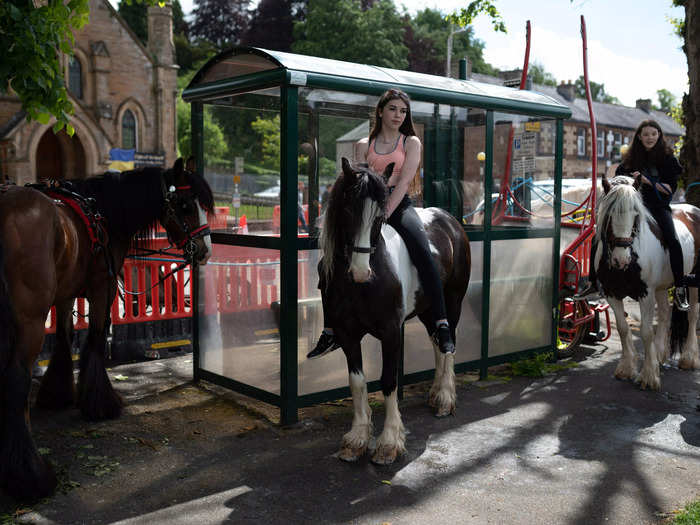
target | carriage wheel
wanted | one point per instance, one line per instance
(570, 336)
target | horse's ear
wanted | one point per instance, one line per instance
(190, 164)
(388, 171)
(606, 185)
(178, 167)
(347, 169)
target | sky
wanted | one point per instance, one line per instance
(631, 46)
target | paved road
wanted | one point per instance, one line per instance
(575, 447)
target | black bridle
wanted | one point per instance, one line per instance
(177, 198)
(622, 242)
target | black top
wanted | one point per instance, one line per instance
(666, 173)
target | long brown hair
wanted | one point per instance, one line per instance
(637, 157)
(389, 95)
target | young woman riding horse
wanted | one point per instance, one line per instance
(393, 141)
(371, 287)
(651, 162)
(51, 252)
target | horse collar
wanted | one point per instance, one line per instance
(362, 249)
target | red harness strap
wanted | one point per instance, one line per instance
(92, 226)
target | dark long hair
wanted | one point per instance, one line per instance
(637, 157)
(389, 95)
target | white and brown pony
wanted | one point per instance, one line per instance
(370, 286)
(633, 261)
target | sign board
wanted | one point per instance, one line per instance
(236, 179)
(236, 201)
(524, 165)
(238, 165)
(142, 159)
(532, 126)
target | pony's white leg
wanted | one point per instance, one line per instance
(391, 441)
(689, 354)
(443, 394)
(649, 376)
(662, 337)
(355, 442)
(627, 367)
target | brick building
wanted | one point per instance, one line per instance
(124, 96)
(615, 125)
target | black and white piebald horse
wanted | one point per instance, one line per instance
(372, 288)
(633, 261)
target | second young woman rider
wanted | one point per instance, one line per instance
(393, 139)
(650, 159)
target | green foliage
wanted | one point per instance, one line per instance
(214, 144)
(539, 76)
(136, 17)
(426, 37)
(689, 516)
(268, 132)
(466, 16)
(30, 38)
(342, 30)
(538, 366)
(598, 93)
(667, 100)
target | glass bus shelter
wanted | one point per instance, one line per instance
(269, 130)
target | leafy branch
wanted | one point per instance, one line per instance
(466, 16)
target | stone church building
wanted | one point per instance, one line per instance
(124, 96)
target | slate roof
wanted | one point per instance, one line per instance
(612, 115)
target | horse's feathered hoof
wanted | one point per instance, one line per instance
(351, 454)
(445, 412)
(385, 455)
(688, 364)
(31, 484)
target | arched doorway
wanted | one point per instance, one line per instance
(59, 156)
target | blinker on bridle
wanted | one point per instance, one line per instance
(187, 244)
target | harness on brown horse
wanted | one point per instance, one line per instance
(62, 193)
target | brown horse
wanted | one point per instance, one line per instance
(50, 253)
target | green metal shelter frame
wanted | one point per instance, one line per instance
(244, 70)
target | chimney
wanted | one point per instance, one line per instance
(465, 68)
(568, 91)
(644, 104)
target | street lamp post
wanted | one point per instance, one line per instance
(448, 68)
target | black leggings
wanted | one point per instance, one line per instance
(664, 218)
(406, 222)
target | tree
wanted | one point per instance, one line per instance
(426, 37)
(30, 38)
(340, 29)
(598, 93)
(220, 22)
(136, 17)
(272, 24)
(466, 15)
(667, 101)
(539, 76)
(268, 130)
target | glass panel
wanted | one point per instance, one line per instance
(523, 171)
(242, 161)
(239, 316)
(75, 77)
(520, 308)
(317, 375)
(128, 130)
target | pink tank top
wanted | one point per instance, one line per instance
(379, 161)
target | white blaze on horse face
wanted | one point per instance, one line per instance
(622, 228)
(359, 262)
(207, 238)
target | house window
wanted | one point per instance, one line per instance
(128, 130)
(601, 144)
(75, 78)
(617, 142)
(581, 142)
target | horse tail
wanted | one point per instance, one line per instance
(7, 327)
(679, 329)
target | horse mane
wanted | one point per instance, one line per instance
(621, 200)
(343, 216)
(132, 201)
